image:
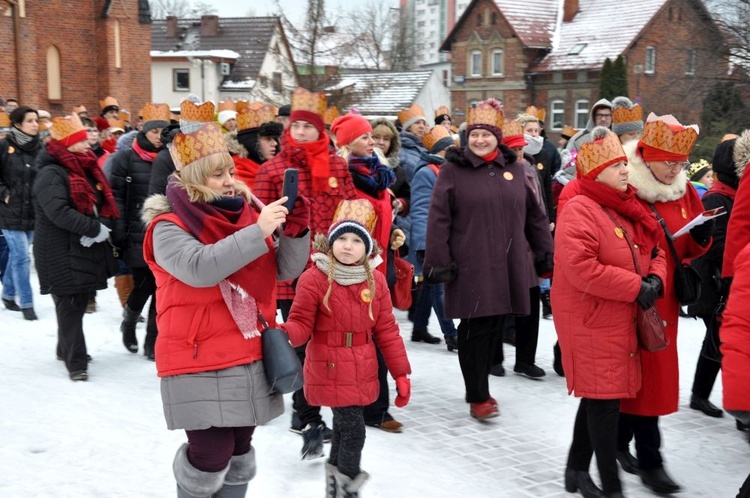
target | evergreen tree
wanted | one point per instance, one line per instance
(723, 112)
(619, 77)
(605, 81)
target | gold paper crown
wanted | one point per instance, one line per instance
(227, 105)
(540, 114)
(598, 154)
(153, 112)
(203, 113)
(116, 123)
(108, 101)
(4, 120)
(125, 116)
(667, 134)
(189, 147)
(414, 111)
(568, 131)
(442, 110)
(512, 128)
(79, 109)
(622, 114)
(315, 102)
(331, 114)
(251, 116)
(359, 210)
(63, 127)
(485, 114)
(434, 135)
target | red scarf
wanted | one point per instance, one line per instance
(142, 153)
(491, 156)
(318, 158)
(646, 228)
(81, 167)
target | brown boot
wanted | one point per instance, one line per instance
(124, 285)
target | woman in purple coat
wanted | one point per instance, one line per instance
(483, 219)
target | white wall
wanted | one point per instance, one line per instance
(206, 87)
(433, 95)
(277, 59)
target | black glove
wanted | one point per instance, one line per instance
(649, 293)
(702, 233)
(544, 265)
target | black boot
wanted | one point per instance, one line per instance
(127, 327)
(628, 462)
(151, 333)
(557, 364)
(28, 314)
(659, 481)
(11, 305)
(579, 480)
(424, 336)
(451, 342)
(546, 306)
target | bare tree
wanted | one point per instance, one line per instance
(160, 9)
(374, 25)
(200, 8)
(402, 45)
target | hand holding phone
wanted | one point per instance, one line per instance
(290, 187)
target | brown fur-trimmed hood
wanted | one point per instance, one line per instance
(154, 206)
(649, 188)
(741, 153)
(233, 145)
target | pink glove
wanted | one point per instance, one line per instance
(298, 221)
(403, 387)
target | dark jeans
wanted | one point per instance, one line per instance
(144, 286)
(707, 370)
(478, 340)
(377, 412)
(432, 297)
(4, 254)
(348, 439)
(645, 431)
(526, 333)
(595, 433)
(71, 345)
(211, 449)
(307, 414)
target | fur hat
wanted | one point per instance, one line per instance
(626, 116)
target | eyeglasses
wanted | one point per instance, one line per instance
(599, 116)
(676, 164)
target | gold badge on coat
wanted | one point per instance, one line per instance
(684, 214)
(539, 166)
(508, 175)
(365, 295)
(333, 182)
(11, 149)
(619, 233)
(99, 186)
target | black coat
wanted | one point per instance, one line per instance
(162, 167)
(17, 172)
(130, 176)
(64, 266)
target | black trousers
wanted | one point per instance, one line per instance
(348, 439)
(71, 345)
(144, 286)
(377, 412)
(645, 430)
(478, 340)
(307, 413)
(706, 370)
(595, 433)
(526, 333)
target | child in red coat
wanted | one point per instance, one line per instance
(343, 307)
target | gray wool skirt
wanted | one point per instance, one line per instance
(234, 397)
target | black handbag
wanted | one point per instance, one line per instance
(280, 360)
(687, 280)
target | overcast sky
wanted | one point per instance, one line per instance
(292, 8)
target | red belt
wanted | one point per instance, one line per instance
(342, 339)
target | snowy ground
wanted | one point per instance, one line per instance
(107, 437)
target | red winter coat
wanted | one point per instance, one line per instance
(593, 294)
(677, 203)
(269, 183)
(735, 338)
(738, 229)
(336, 374)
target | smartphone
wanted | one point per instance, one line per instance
(290, 187)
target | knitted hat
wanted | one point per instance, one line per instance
(194, 114)
(487, 115)
(349, 127)
(354, 216)
(697, 170)
(225, 116)
(437, 139)
(310, 107)
(154, 116)
(604, 150)
(665, 139)
(626, 116)
(68, 130)
(441, 114)
(409, 116)
(513, 135)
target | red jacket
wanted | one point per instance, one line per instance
(593, 294)
(735, 338)
(269, 183)
(660, 393)
(336, 374)
(196, 330)
(738, 230)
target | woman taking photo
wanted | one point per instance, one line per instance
(18, 151)
(480, 256)
(214, 251)
(597, 287)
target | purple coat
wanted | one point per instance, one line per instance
(483, 219)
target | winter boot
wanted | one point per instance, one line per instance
(91, 306)
(330, 481)
(11, 305)
(557, 365)
(194, 483)
(124, 285)
(151, 333)
(127, 327)
(424, 336)
(28, 314)
(241, 471)
(546, 306)
(348, 487)
(312, 446)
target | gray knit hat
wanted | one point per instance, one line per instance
(626, 116)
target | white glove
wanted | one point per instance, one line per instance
(90, 241)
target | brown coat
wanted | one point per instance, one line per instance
(483, 219)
